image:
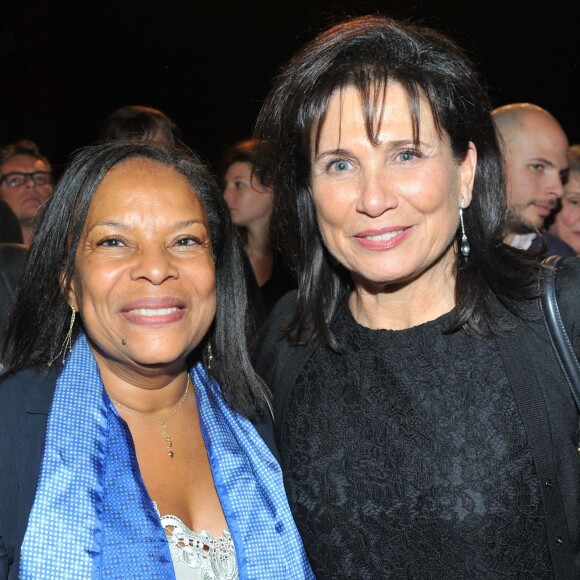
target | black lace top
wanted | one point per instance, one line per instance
(412, 461)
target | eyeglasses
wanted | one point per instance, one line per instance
(18, 179)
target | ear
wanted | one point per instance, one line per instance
(467, 168)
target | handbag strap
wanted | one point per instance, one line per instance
(558, 336)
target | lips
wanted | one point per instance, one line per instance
(154, 311)
(383, 238)
(544, 209)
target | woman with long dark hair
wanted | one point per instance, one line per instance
(131, 416)
(425, 427)
(250, 204)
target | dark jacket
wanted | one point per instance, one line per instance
(25, 400)
(11, 261)
(544, 401)
(554, 246)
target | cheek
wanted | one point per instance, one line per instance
(332, 220)
(567, 218)
(94, 284)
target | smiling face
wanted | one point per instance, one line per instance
(249, 202)
(567, 221)
(536, 149)
(388, 213)
(144, 279)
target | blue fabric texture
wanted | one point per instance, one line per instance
(250, 486)
(92, 516)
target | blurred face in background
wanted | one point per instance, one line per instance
(26, 185)
(249, 202)
(536, 158)
(567, 221)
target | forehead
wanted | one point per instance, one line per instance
(573, 184)
(538, 135)
(386, 112)
(242, 168)
(139, 188)
(24, 164)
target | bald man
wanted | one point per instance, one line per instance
(535, 148)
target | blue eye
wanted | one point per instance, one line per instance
(408, 155)
(340, 165)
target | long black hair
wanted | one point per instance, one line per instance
(40, 317)
(368, 53)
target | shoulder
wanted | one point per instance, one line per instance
(557, 247)
(568, 281)
(28, 389)
(568, 293)
(283, 310)
(273, 335)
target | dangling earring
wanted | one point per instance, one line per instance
(208, 357)
(67, 344)
(464, 243)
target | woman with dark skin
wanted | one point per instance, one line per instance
(131, 417)
(421, 434)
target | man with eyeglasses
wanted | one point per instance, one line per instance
(25, 182)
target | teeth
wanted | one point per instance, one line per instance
(384, 237)
(154, 311)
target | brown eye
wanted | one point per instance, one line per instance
(111, 243)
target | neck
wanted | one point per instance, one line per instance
(405, 305)
(27, 231)
(152, 392)
(257, 242)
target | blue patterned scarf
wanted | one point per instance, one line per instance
(92, 516)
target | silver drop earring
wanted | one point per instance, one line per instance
(209, 357)
(464, 243)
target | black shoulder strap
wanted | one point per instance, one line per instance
(559, 337)
(557, 332)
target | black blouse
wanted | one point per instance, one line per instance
(412, 460)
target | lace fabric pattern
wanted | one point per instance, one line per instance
(199, 556)
(411, 460)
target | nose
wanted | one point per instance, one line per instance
(555, 187)
(229, 194)
(375, 195)
(155, 264)
(29, 181)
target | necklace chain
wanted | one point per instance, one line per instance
(162, 422)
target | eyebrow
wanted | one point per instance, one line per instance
(548, 162)
(391, 145)
(119, 226)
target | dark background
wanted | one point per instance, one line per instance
(64, 66)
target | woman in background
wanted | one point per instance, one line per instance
(250, 205)
(566, 221)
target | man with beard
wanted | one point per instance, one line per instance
(535, 148)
